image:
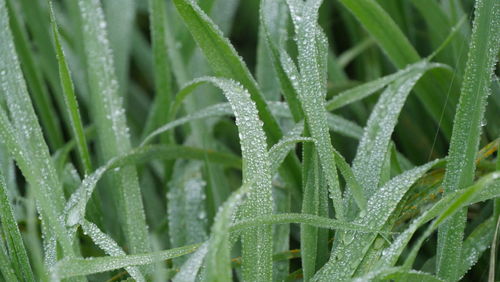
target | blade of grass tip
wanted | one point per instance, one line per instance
(370, 155)
(187, 218)
(112, 130)
(24, 140)
(15, 245)
(366, 89)
(349, 250)
(73, 267)
(40, 93)
(460, 168)
(191, 267)
(225, 62)
(70, 98)
(269, 10)
(218, 260)
(399, 50)
(162, 74)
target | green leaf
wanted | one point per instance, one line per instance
(483, 54)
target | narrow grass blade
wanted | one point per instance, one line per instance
(374, 144)
(68, 268)
(476, 244)
(493, 253)
(312, 46)
(483, 54)
(360, 92)
(350, 249)
(23, 137)
(163, 78)
(351, 181)
(398, 274)
(5, 267)
(109, 117)
(70, 99)
(34, 78)
(191, 267)
(15, 245)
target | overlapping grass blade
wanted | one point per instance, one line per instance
(75, 207)
(14, 241)
(70, 99)
(23, 137)
(40, 94)
(399, 50)
(398, 274)
(109, 117)
(350, 248)
(225, 62)
(191, 267)
(483, 51)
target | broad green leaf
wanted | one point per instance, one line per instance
(12, 236)
(109, 117)
(483, 54)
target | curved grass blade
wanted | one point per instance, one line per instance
(191, 267)
(70, 99)
(75, 207)
(364, 90)
(483, 54)
(14, 241)
(367, 165)
(109, 117)
(72, 267)
(350, 249)
(399, 50)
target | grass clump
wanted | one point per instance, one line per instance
(227, 140)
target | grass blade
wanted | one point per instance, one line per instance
(483, 51)
(112, 131)
(70, 99)
(15, 245)
(68, 268)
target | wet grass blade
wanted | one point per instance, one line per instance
(70, 99)
(109, 117)
(13, 239)
(483, 54)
